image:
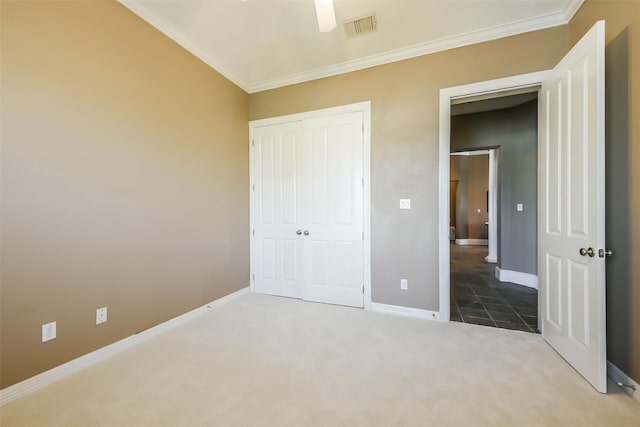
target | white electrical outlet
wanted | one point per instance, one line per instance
(519, 207)
(405, 203)
(101, 315)
(404, 284)
(48, 331)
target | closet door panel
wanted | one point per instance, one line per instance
(333, 167)
(277, 258)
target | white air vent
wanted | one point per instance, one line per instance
(361, 25)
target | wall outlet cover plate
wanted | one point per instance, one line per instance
(48, 331)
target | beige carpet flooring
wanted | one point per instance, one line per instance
(268, 361)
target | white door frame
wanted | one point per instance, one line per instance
(492, 257)
(487, 89)
(365, 108)
(492, 232)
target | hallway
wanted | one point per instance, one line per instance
(478, 297)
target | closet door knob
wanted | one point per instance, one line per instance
(306, 232)
(299, 232)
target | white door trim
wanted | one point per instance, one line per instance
(365, 108)
(492, 257)
(490, 89)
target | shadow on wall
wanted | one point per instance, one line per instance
(618, 197)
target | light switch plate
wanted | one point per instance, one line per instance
(519, 207)
(405, 203)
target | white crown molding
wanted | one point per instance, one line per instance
(182, 40)
(466, 39)
(572, 8)
(60, 372)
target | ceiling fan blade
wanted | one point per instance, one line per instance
(326, 15)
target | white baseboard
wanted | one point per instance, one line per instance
(619, 377)
(405, 311)
(524, 279)
(491, 259)
(46, 378)
(472, 242)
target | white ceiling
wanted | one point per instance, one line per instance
(264, 44)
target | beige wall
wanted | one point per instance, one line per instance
(124, 181)
(404, 152)
(623, 174)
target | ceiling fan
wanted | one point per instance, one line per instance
(326, 15)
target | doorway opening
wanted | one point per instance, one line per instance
(491, 164)
(488, 285)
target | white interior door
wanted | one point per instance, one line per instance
(571, 206)
(308, 209)
(333, 207)
(277, 167)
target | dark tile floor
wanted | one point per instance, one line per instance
(478, 297)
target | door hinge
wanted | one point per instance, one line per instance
(253, 187)
(363, 235)
(252, 143)
(253, 232)
(253, 277)
(362, 182)
(363, 289)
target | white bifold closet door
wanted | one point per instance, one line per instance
(308, 209)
